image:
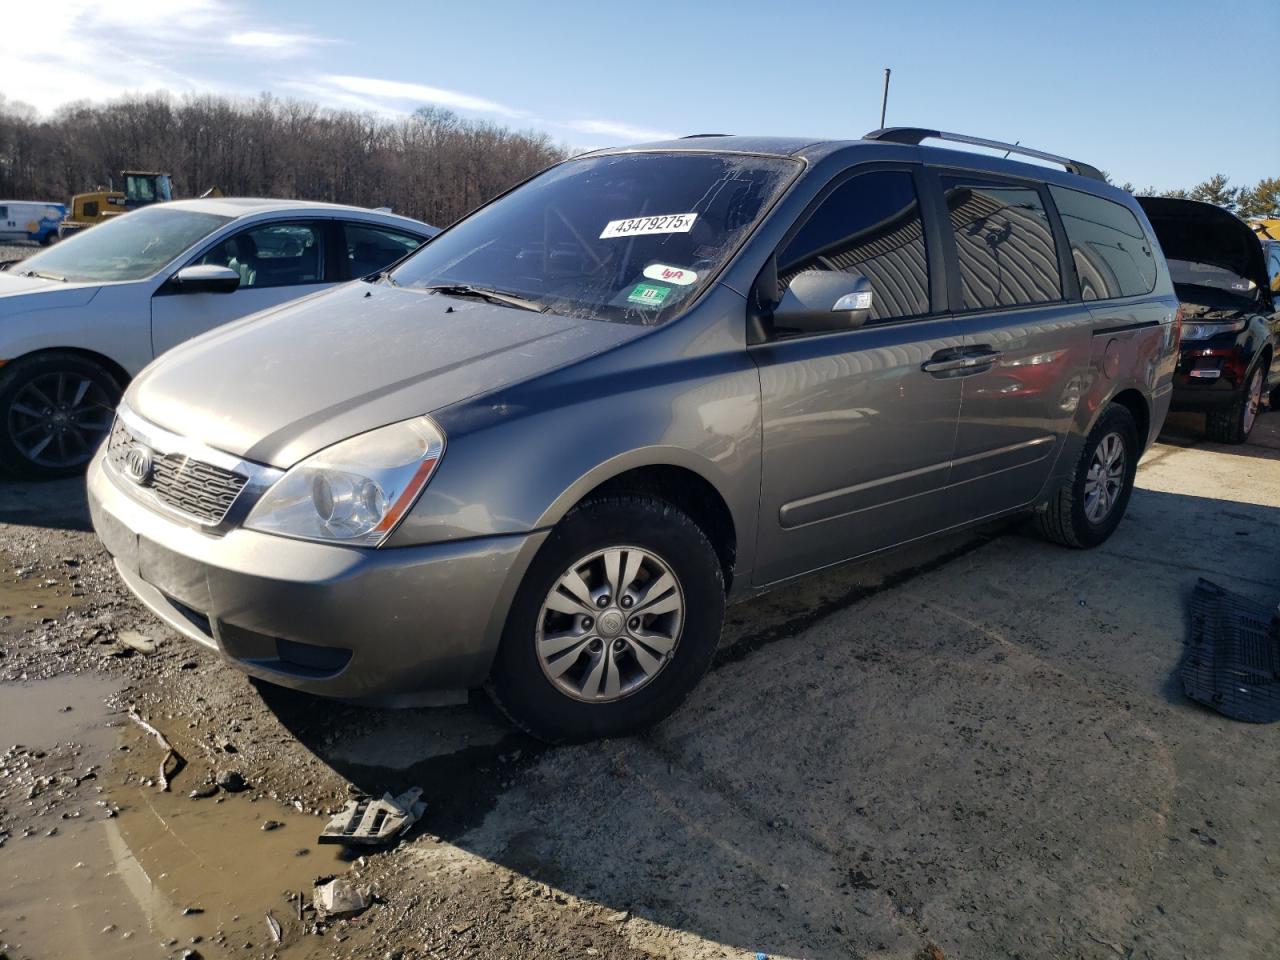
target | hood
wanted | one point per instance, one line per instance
(278, 386)
(1191, 230)
(39, 292)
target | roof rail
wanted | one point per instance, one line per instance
(913, 136)
(695, 136)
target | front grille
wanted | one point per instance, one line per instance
(199, 490)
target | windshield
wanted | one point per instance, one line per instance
(1211, 275)
(128, 247)
(631, 238)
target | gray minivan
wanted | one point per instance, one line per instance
(543, 452)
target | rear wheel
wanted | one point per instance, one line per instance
(614, 624)
(1086, 510)
(55, 410)
(1234, 423)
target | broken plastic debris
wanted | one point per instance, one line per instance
(368, 821)
(339, 898)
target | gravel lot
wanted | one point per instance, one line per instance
(973, 748)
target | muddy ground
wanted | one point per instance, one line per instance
(975, 748)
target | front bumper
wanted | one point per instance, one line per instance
(1208, 377)
(388, 626)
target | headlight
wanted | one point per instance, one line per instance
(1203, 331)
(355, 491)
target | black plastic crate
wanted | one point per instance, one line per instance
(1232, 663)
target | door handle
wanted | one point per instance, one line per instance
(973, 360)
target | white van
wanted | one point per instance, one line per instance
(30, 220)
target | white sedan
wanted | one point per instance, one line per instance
(79, 320)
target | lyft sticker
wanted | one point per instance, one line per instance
(680, 277)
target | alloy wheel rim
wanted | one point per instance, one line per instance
(58, 419)
(1254, 403)
(610, 624)
(1105, 479)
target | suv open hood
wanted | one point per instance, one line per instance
(279, 385)
(1191, 230)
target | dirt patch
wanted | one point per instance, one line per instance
(975, 744)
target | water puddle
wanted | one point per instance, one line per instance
(97, 863)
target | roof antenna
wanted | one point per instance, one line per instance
(884, 99)
(1016, 143)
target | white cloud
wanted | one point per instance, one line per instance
(279, 44)
(622, 131)
(418, 93)
(53, 51)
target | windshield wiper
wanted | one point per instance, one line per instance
(383, 276)
(482, 293)
(42, 276)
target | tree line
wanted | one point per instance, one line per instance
(1260, 200)
(432, 165)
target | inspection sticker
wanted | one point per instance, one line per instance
(640, 226)
(648, 294)
(677, 275)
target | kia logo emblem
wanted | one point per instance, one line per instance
(139, 465)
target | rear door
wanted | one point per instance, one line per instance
(277, 262)
(857, 434)
(1026, 342)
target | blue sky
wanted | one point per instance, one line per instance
(1161, 94)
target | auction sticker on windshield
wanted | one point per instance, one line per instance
(648, 294)
(641, 226)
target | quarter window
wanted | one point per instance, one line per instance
(1113, 256)
(1004, 243)
(869, 226)
(275, 255)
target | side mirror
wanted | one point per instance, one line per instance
(205, 278)
(818, 301)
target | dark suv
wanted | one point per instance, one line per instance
(645, 383)
(1230, 327)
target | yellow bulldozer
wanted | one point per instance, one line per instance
(141, 188)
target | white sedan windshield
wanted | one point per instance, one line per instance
(128, 247)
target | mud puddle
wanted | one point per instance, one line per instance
(96, 862)
(34, 599)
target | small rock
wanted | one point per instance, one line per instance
(204, 790)
(268, 825)
(231, 781)
(136, 641)
(192, 911)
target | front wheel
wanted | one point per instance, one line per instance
(55, 410)
(1087, 508)
(1234, 423)
(616, 621)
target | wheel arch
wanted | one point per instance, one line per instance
(101, 359)
(669, 477)
(1132, 400)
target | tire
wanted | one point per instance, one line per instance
(1069, 518)
(595, 656)
(65, 401)
(1233, 424)
(49, 238)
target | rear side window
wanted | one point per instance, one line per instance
(370, 248)
(1005, 246)
(1113, 256)
(869, 226)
